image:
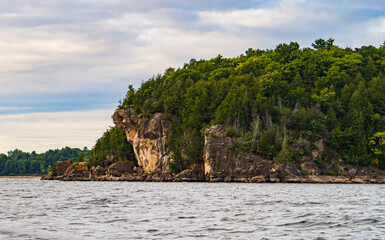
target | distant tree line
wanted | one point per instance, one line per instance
(274, 101)
(17, 162)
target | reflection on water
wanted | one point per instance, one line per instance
(34, 209)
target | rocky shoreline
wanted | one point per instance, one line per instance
(223, 161)
(126, 171)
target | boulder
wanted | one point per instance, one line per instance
(110, 159)
(98, 171)
(62, 166)
(49, 176)
(77, 172)
(119, 168)
(258, 179)
(310, 167)
(189, 175)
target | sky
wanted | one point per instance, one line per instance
(65, 64)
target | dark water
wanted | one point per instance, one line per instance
(34, 209)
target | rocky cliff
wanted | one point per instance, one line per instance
(224, 161)
(148, 138)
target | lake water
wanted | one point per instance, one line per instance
(34, 209)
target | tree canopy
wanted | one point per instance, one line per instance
(113, 141)
(17, 162)
(272, 100)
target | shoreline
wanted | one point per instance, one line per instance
(320, 179)
(20, 176)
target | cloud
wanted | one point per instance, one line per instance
(374, 31)
(67, 55)
(292, 14)
(14, 108)
(43, 131)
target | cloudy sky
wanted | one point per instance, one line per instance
(64, 64)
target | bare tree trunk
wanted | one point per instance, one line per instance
(255, 133)
(269, 121)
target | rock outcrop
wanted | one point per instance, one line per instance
(222, 161)
(148, 138)
(77, 171)
(193, 174)
(49, 176)
(110, 159)
(119, 168)
(98, 171)
(62, 166)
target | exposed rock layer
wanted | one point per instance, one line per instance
(223, 163)
(148, 138)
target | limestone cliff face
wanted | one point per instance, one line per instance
(223, 163)
(148, 137)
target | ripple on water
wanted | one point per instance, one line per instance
(135, 210)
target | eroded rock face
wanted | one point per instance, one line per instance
(148, 138)
(223, 163)
(78, 172)
(62, 166)
(119, 168)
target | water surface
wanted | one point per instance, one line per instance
(34, 209)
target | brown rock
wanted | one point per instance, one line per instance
(77, 172)
(258, 179)
(119, 168)
(310, 167)
(189, 175)
(98, 171)
(49, 176)
(274, 180)
(223, 161)
(62, 166)
(81, 167)
(358, 180)
(110, 159)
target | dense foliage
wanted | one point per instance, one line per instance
(113, 141)
(275, 100)
(17, 162)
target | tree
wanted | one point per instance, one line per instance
(377, 145)
(81, 158)
(322, 44)
(23, 163)
(299, 95)
(113, 141)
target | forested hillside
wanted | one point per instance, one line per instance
(17, 162)
(273, 100)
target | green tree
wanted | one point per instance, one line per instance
(377, 145)
(321, 43)
(113, 141)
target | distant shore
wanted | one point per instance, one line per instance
(20, 176)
